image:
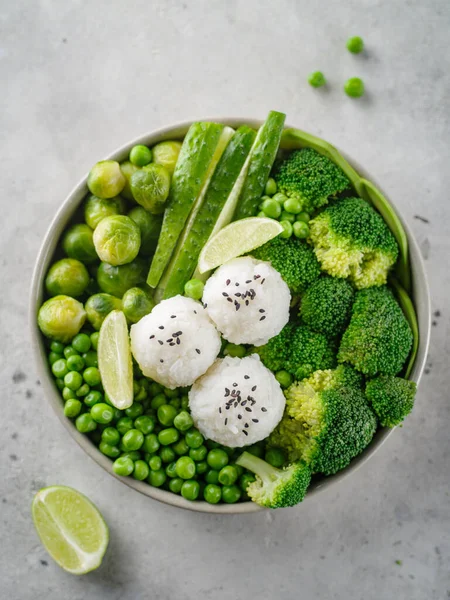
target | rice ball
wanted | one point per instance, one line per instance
(237, 402)
(175, 343)
(247, 300)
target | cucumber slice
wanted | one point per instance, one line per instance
(263, 154)
(199, 154)
(218, 204)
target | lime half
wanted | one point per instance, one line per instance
(237, 239)
(71, 528)
(114, 360)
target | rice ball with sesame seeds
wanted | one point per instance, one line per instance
(237, 402)
(247, 300)
(175, 343)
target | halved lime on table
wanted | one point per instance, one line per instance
(114, 360)
(237, 239)
(71, 528)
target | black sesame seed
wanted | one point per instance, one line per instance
(248, 409)
(237, 305)
(263, 280)
(239, 416)
(235, 404)
(161, 327)
(195, 312)
(227, 392)
(198, 351)
(248, 281)
(246, 425)
(246, 303)
(160, 342)
(254, 388)
(236, 284)
(262, 318)
(225, 294)
(169, 340)
(238, 294)
(226, 421)
(244, 403)
(205, 305)
(151, 337)
(261, 310)
(161, 360)
(172, 344)
(243, 431)
(263, 409)
(229, 300)
(256, 276)
(228, 281)
(178, 341)
(174, 316)
(246, 376)
(220, 409)
(235, 384)
(228, 406)
(255, 420)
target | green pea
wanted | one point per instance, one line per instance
(91, 375)
(93, 398)
(228, 475)
(155, 463)
(53, 357)
(194, 438)
(59, 368)
(256, 450)
(199, 453)
(303, 216)
(176, 403)
(181, 447)
(68, 394)
(94, 339)
(145, 424)
(124, 424)
(73, 380)
(354, 87)
(90, 359)
(301, 229)
(103, 413)
(111, 436)
(81, 342)
(171, 393)
(212, 476)
(271, 187)
(316, 79)
(133, 439)
(140, 156)
(231, 494)
(59, 384)
(151, 443)
(141, 470)
(275, 457)
(168, 436)
(286, 216)
(75, 363)
(183, 421)
(217, 459)
(69, 351)
(292, 205)
(57, 347)
(158, 401)
(171, 469)
(202, 467)
(134, 411)
(287, 229)
(184, 402)
(157, 478)
(190, 490)
(212, 493)
(155, 388)
(185, 467)
(108, 450)
(235, 350)
(85, 423)
(245, 480)
(123, 466)
(83, 390)
(239, 469)
(166, 414)
(72, 408)
(280, 198)
(118, 414)
(261, 215)
(271, 208)
(355, 44)
(284, 378)
(167, 454)
(133, 454)
(175, 485)
(194, 289)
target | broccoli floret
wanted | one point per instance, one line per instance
(378, 339)
(326, 305)
(298, 350)
(276, 488)
(351, 240)
(327, 420)
(293, 259)
(392, 398)
(310, 178)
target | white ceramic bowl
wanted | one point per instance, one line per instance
(420, 296)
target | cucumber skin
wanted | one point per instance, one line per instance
(264, 152)
(190, 171)
(220, 186)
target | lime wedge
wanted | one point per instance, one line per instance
(237, 239)
(71, 528)
(114, 360)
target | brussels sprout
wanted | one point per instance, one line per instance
(117, 280)
(150, 187)
(136, 303)
(96, 209)
(61, 318)
(105, 179)
(68, 277)
(166, 154)
(78, 243)
(150, 227)
(117, 240)
(100, 305)
(128, 169)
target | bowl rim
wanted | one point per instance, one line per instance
(57, 225)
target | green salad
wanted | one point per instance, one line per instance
(228, 318)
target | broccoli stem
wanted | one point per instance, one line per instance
(257, 465)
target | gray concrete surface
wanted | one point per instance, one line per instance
(77, 80)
